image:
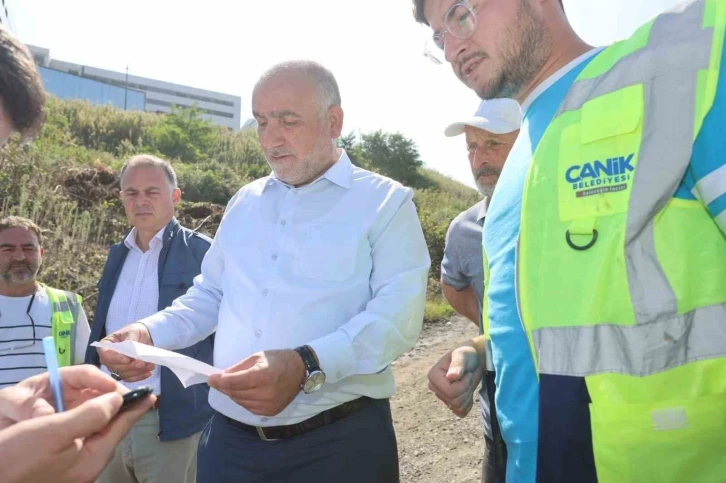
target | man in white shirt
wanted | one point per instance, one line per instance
(30, 311)
(315, 283)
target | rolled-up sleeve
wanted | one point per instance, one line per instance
(392, 319)
(451, 270)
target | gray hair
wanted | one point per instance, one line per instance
(328, 93)
(149, 161)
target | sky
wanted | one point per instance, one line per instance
(373, 47)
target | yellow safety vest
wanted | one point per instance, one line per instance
(65, 308)
(618, 282)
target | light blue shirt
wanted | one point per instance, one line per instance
(517, 395)
(340, 264)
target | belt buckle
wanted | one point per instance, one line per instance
(261, 434)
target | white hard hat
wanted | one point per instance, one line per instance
(498, 116)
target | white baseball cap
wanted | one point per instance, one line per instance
(498, 116)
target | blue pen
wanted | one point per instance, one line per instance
(51, 361)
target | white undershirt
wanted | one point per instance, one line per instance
(137, 295)
(21, 352)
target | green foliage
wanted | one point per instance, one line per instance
(67, 181)
(437, 310)
(184, 135)
(209, 181)
(390, 154)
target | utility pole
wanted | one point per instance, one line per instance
(126, 88)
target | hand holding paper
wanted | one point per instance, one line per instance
(189, 371)
(129, 369)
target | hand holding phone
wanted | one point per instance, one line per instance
(136, 395)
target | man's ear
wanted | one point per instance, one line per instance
(176, 196)
(335, 115)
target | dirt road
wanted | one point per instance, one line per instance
(434, 446)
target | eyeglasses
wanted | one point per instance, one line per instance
(20, 343)
(459, 21)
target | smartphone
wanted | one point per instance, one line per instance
(136, 395)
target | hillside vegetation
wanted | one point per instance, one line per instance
(67, 182)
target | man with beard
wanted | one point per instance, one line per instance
(30, 310)
(315, 283)
(604, 244)
(489, 138)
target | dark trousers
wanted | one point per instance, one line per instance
(360, 448)
(488, 475)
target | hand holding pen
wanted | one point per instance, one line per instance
(38, 444)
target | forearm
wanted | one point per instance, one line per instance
(371, 340)
(191, 318)
(464, 301)
(392, 319)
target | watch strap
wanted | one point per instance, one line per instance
(308, 357)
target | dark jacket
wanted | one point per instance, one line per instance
(183, 412)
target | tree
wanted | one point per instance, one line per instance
(184, 134)
(393, 155)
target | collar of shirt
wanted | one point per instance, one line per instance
(483, 206)
(130, 240)
(340, 174)
(551, 80)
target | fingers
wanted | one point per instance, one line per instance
(19, 403)
(130, 370)
(464, 359)
(229, 382)
(99, 448)
(134, 376)
(85, 420)
(463, 410)
(87, 377)
(110, 358)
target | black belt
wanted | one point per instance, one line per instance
(330, 416)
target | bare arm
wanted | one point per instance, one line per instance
(463, 301)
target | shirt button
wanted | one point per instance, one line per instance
(283, 222)
(274, 257)
(264, 419)
(265, 292)
(258, 333)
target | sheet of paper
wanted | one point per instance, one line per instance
(189, 371)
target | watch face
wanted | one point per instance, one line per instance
(314, 382)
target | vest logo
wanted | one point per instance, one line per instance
(600, 177)
(64, 333)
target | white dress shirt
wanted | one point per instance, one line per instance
(21, 348)
(137, 295)
(340, 264)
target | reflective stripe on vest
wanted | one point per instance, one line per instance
(640, 315)
(65, 308)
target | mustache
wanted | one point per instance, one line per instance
(476, 55)
(487, 171)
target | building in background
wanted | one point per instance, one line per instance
(99, 86)
(5, 16)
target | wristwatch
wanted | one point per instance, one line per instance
(315, 377)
